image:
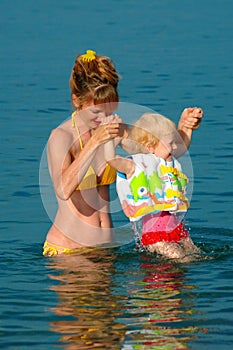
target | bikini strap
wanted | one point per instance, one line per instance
(74, 125)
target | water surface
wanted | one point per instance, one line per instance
(171, 55)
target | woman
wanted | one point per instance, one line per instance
(80, 176)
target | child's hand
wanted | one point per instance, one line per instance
(191, 118)
(113, 118)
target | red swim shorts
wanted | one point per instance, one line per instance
(175, 235)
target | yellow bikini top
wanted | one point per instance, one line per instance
(90, 179)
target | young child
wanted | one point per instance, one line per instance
(151, 186)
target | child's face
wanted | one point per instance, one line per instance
(165, 147)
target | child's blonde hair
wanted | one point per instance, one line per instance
(149, 129)
(94, 80)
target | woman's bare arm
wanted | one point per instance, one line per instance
(66, 172)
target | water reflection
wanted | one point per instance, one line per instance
(162, 306)
(106, 304)
(86, 307)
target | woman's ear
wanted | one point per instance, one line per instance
(75, 101)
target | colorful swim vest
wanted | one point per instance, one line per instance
(155, 186)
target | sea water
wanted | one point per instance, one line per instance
(171, 55)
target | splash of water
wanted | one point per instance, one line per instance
(137, 228)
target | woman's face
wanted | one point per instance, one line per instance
(93, 115)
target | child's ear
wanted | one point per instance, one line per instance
(149, 147)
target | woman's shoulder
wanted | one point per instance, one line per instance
(63, 131)
(61, 136)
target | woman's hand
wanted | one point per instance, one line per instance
(105, 132)
(115, 119)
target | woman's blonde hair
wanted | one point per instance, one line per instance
(94, 81)
(149, 129)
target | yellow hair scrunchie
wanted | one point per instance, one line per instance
(89, 56)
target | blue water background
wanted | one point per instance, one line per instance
(171, 55)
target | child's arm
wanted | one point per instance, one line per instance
(190, 120)
(124, 165)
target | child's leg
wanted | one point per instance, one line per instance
(170, 250)
(189, 246)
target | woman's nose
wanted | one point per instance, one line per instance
(101, 116)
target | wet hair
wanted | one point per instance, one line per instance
(149, 129)
(94, 81)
